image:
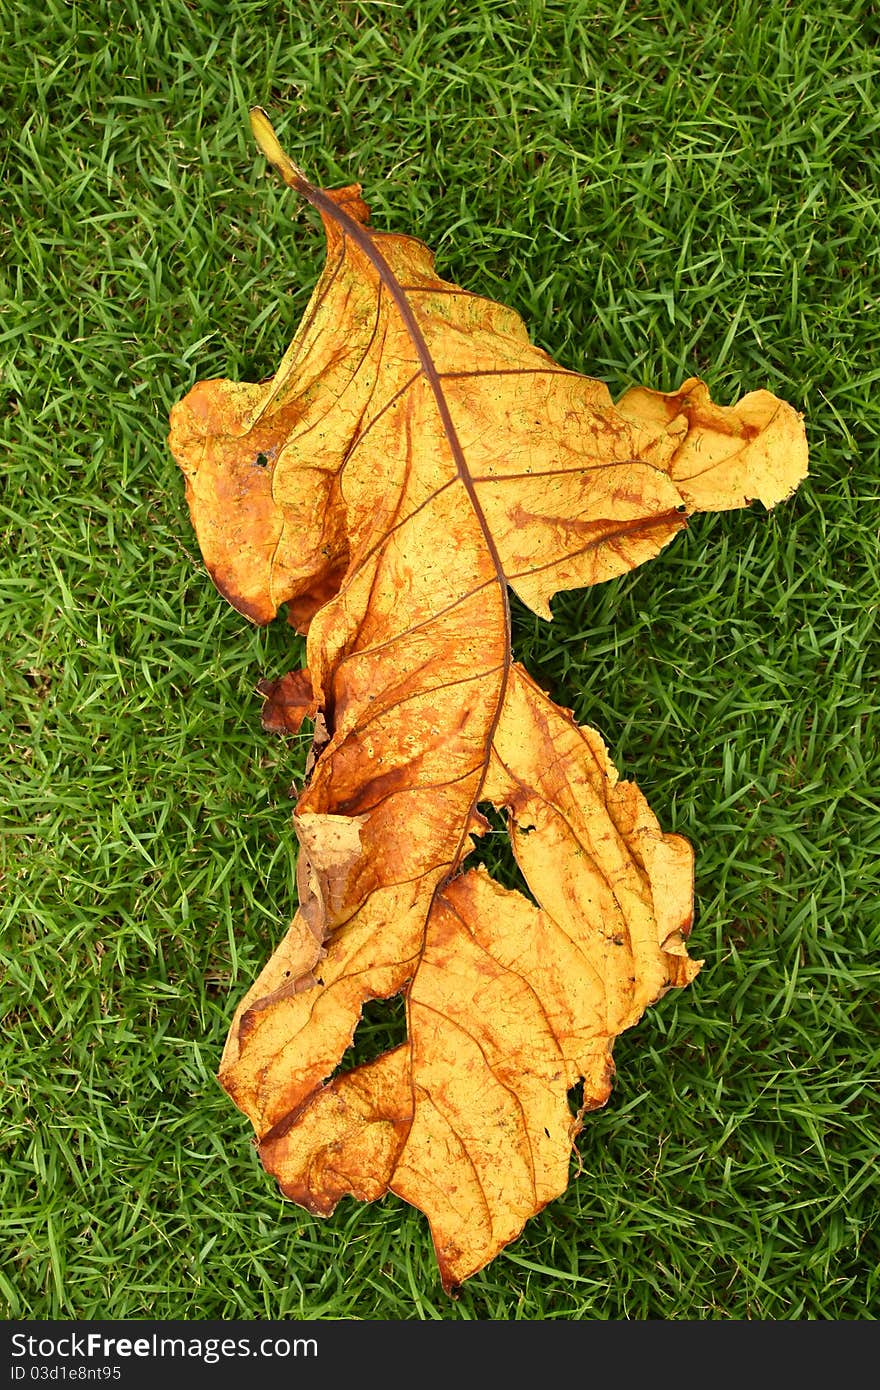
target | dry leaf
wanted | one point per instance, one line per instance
(413, 457)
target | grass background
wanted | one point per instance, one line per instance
(659, 189)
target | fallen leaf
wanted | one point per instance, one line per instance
(412, 458)
(288, 702)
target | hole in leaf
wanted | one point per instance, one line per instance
(576, 1098)
(261, 460)
(495, 852)
(382, 1026)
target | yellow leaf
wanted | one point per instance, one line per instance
(413, 456)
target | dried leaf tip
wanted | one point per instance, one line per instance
(264, 134)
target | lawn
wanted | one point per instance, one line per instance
(660, 191)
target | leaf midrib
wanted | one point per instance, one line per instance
(363, 239)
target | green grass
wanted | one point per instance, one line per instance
(659, 190)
